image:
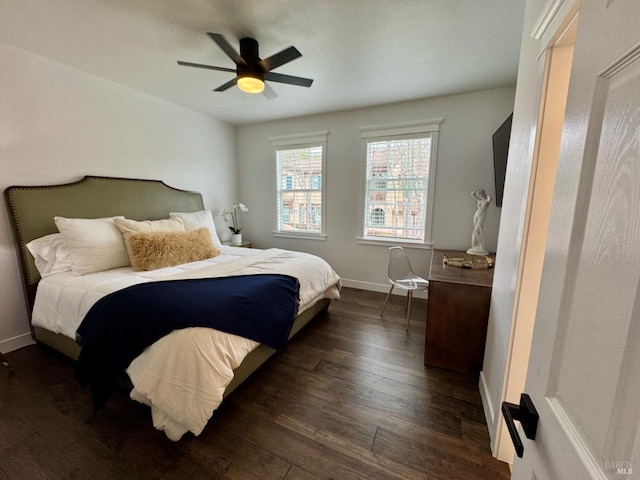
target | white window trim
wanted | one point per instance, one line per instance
(300, 235)
(301, 139)
(430, 126)
(394, 242)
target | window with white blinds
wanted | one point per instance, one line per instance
(300, 166)
(399, 182)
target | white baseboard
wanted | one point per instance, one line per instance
(489, 413)
(11, 344)
(487, 405)
(379, 287)
(499, 440)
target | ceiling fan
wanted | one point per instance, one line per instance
(252, 71)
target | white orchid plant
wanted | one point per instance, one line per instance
(231, 214)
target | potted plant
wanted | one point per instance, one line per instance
(231, 215)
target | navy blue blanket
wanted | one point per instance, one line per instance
(122, 324)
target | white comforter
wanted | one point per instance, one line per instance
(182, 376)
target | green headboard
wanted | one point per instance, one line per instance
(32, 208)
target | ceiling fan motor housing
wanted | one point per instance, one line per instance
(249, 50)
(249, 53)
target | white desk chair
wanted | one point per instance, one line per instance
(402, 276)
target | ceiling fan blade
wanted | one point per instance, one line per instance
(226, 86)
(280, 58)
(227, 48)
(209, 67)
(291, 80)
(268, 92)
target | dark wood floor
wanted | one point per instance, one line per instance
(349, 398)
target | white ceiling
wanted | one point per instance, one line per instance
(359, 52)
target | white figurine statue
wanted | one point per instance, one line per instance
(477, 237)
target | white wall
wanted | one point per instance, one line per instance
(464, 163)
(58, 124)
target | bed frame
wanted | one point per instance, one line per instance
(31, 212)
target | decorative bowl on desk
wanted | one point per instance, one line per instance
(474, 262)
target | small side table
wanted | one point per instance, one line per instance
(241, 245)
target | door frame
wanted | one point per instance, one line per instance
(551, 28)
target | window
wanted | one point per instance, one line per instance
(286, 214)
(300, 165)
(316, 182)
(400, 161)
(377, 217)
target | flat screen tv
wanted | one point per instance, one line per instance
(500, 152)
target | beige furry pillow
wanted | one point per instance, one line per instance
(152, 250)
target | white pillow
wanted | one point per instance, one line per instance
(94, 244)
(50, 254)
(126, 225)
(196, 220)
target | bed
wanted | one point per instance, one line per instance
(58, 303)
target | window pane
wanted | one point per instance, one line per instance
(396, 187)
(299, 174)
(301, 211)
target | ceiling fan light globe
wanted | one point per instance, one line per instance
(250, 84)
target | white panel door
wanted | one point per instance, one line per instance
(584, 370)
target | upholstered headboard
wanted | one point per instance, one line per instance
(32, 209)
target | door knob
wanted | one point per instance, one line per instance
(527, 415)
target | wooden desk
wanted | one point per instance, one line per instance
(457, 315)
